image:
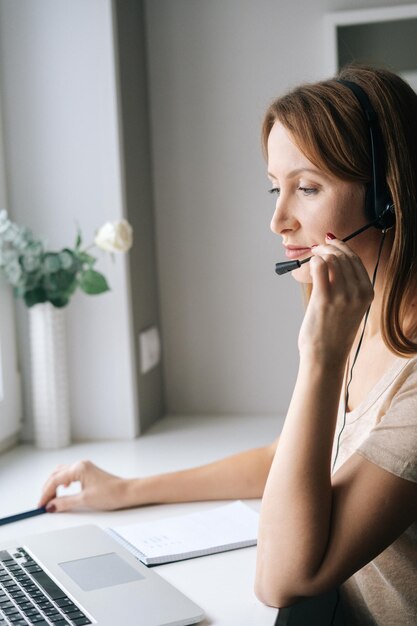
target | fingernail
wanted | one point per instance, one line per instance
(330, 236)
(315, 245)
(51, 508)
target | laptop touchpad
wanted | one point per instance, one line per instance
(104, 570)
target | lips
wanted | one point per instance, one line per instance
(293, 252)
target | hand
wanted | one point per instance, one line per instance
(99, 490)
(340, 296)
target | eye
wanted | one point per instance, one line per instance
(274, 190)
(308, 191)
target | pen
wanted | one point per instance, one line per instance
(20, 516)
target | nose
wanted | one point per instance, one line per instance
(283, 219)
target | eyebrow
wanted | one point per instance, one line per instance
(299, 170)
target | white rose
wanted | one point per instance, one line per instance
(115, 236)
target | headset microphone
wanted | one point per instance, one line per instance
(289, 266)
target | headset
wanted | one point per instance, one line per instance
(379, 207)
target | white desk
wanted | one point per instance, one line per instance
(222, 584)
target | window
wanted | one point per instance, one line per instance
(1, 375)
(10, 401)
(384, 36)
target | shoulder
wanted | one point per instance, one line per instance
(392, 442)
(405, 385)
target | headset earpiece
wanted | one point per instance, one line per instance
(379, 207)
(385, 217)
(369, 203)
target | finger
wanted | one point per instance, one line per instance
(348, 275)
(64, 503)
(357, 265)
(339, 275)
(346, 264)
(63, 477)
(341, 272)
(320, 276)
(60, 467)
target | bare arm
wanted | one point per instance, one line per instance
(242, 475)
(316, 529)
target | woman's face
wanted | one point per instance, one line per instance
(311, 203)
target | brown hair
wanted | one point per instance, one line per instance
(329, 127)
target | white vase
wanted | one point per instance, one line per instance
(49, 376)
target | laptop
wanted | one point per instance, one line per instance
(81, 575)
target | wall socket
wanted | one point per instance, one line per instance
(149, 349)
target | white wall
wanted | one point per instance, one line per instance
(63, 165)
(230, 325)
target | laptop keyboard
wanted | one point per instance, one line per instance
(29, 596)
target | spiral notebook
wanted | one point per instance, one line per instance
(223, 528)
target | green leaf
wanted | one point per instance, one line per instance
(13, 272)
(30, 262)
(59, 281)
(78, 240)
(35, 296)
(93, 283)
(32, 280)
(67, 259)
(51, 262)
(68, 292)
(86, 259)
(59, 301)
(19, 291)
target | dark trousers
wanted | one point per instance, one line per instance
(324, 610)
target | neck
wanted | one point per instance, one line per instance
(373, 325)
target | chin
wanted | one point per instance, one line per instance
(302, 274)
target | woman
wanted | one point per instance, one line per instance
(339, 491)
